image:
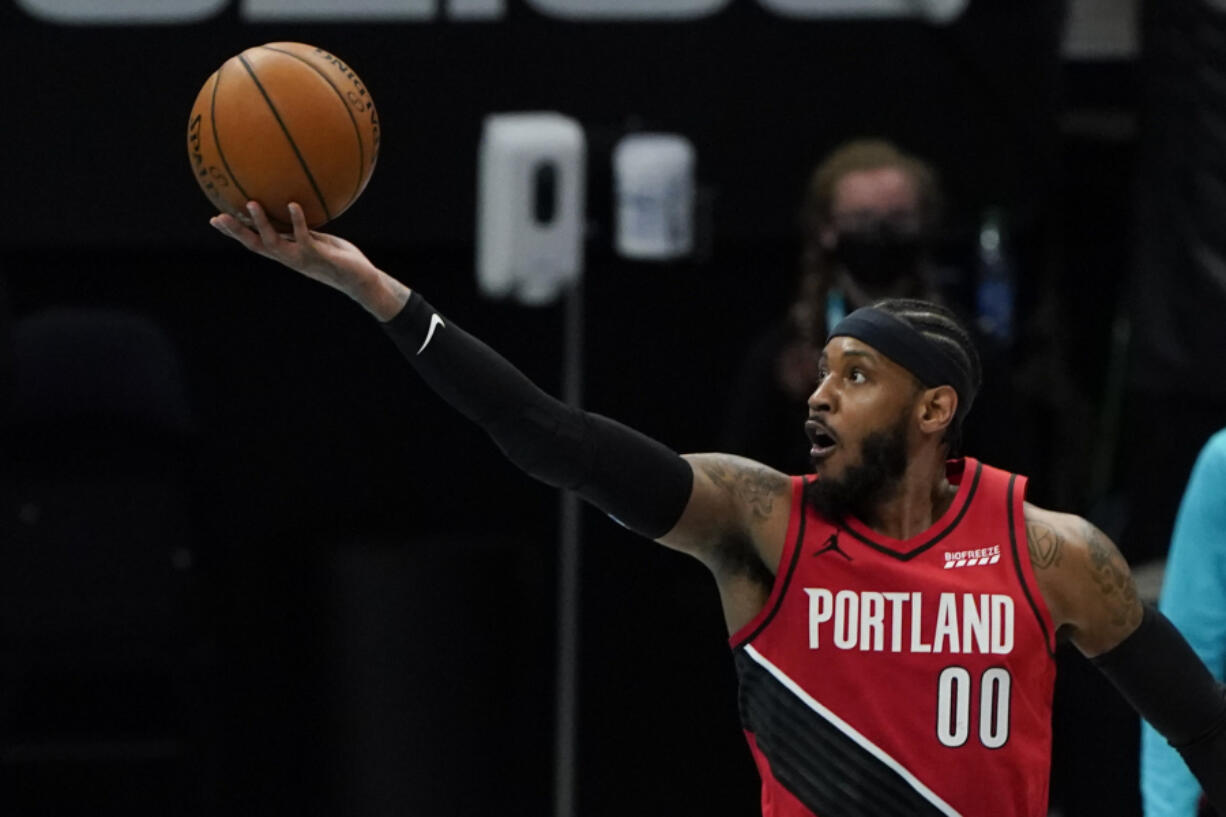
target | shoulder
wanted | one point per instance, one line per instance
(1202, 510)
(1083, 577)
(753, 486)
(1217, 445)
(1211, 462)
(1064, 540)
(1049, 534)
(735, 502)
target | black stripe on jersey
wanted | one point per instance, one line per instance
(787, 577)
(911, 554)
(828, 771)
(1021, 575)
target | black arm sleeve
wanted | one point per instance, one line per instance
(636, 480)
(1165, 681)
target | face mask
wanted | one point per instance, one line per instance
(879, 255)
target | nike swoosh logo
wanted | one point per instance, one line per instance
(435, 323)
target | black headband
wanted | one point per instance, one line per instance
(907, 346)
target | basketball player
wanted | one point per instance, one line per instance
(893, 616)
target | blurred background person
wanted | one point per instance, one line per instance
(867, 223)
(1194, 599)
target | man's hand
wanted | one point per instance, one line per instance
(319, 256)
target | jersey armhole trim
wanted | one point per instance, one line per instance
(790, 556)
(1014, 496)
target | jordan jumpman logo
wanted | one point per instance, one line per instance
(832, 543)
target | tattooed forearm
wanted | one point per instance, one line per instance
(1110, 572)
(748, 482)
(1045, 545)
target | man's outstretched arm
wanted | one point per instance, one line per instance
(634, 479)
(631, 477)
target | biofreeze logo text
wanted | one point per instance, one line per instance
(972, 558)
(872, 621)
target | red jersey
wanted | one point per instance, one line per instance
(892, 678)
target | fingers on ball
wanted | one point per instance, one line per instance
(262, 224)
(298, 219)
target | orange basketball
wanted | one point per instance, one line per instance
(283, 122)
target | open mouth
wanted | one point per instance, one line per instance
(822, 439)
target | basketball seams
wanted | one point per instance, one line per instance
(353, 119)
(217, 139)
(285, 130)
(304, 119)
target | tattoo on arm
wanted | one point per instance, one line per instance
(1110, 572)
(750, 483)
(1045, 545)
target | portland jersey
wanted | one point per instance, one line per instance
(886, 678)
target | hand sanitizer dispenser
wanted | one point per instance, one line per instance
(530, 206)
(653, 177)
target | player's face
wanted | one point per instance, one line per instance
(863, 403)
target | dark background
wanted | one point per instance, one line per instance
(365, 624)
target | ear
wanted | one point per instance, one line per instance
(936, 408)
(828, 236)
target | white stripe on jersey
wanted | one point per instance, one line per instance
(850, 731)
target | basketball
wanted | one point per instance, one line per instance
(283, 122)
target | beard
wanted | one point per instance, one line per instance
(883, 461)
